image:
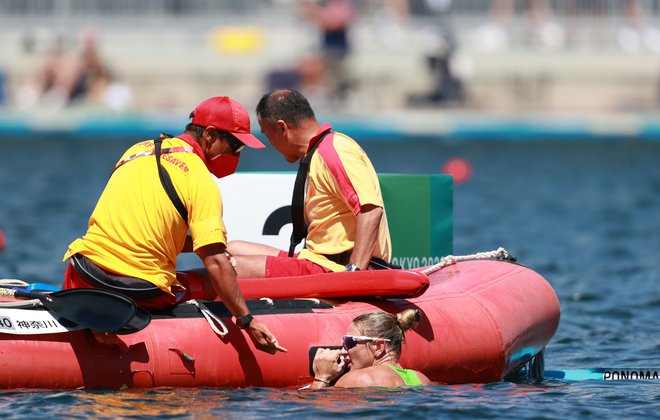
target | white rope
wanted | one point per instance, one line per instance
(314, 300)
(32, 303)
(21, 304)
(13, 283)
(499, 253)
(267, 301)
(213, 320)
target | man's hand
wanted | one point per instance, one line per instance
(222, 277)
(262, 338)
(231, 259)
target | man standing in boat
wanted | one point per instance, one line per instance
(158, 192)
(337, 205)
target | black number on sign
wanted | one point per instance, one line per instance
(6, 322)
(277, 219)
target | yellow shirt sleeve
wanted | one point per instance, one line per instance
(206, 225)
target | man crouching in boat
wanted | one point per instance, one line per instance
(337, 205)
(159, 190)
(371, 350)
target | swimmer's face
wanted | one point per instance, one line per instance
(361, 355)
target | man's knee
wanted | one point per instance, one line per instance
(251, 266)
(239, 247)
(250, 248)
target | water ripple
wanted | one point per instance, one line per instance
(583, 215)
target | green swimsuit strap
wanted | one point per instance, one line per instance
(409, 376)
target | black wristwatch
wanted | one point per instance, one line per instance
(243, 322)
(352, 267)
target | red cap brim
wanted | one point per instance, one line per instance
(249, 140)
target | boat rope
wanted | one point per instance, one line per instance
(315, 301)
(20, 304)
(267, 301)
(499, 254)
(13, 283)
(213, 320)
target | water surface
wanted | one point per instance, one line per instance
(585, 215)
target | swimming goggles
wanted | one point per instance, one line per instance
(350, 341)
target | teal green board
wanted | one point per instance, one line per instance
(420, 215)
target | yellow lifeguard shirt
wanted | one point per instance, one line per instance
(341, 180)
(136, 231)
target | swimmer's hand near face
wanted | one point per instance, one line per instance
(328, 365)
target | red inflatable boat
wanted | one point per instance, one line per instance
(481, 319)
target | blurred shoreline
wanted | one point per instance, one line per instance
(385, 126)
(426, 69)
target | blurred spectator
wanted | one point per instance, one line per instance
(313, 79)
(308, 76)
(447, 88)
(542, 29)
(586, 22)
(96, 81)
(53, 80)
(494, 35)
(64, 78)
(333, 18)
(385, 23)
(636, 35)
(3, 95)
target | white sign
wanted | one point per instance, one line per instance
(32, 321)
(257, 207)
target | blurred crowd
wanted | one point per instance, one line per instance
(508, 24)
(66, 74)
(323, 75)
(70, 70)
(580, 22)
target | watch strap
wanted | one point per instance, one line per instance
(243, 322)
(352, 267)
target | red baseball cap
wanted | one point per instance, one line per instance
(224, 113)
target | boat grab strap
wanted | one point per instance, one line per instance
(213, 320)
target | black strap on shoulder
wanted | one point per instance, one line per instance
(167, 181)
(298, 200)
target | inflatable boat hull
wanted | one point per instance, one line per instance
(480, 320)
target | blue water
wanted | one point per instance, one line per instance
(585, 215)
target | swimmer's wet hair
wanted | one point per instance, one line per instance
(389, 326)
